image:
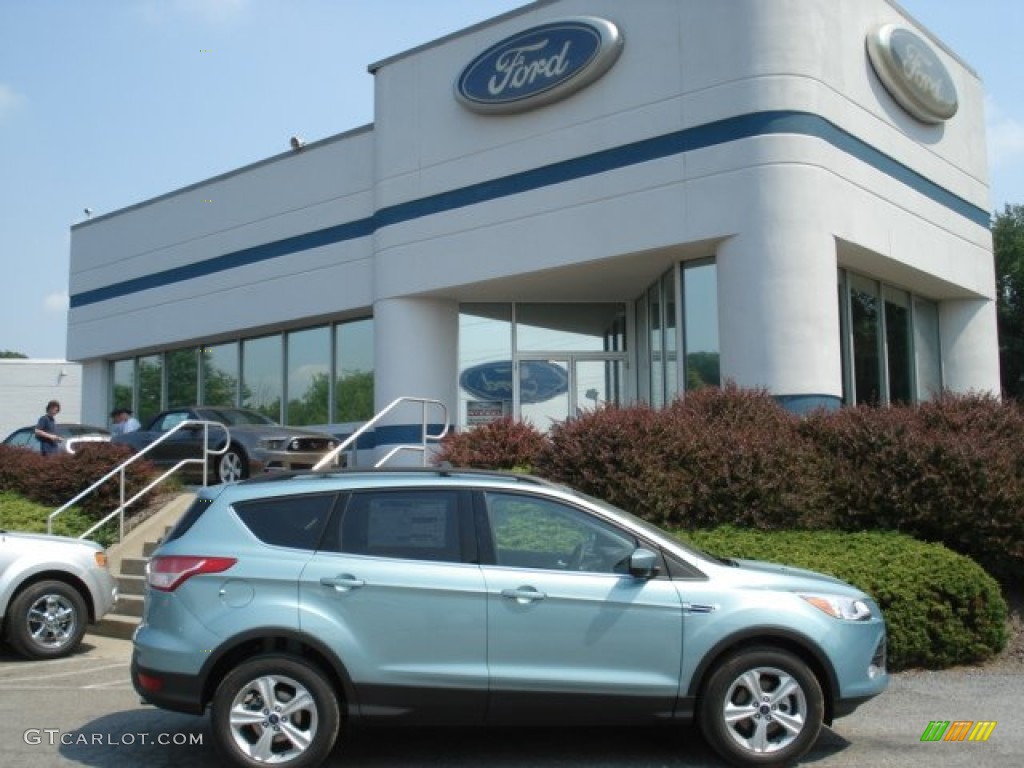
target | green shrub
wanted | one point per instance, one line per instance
(20, 514)
(940, 607)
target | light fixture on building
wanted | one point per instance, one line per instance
(297, 143)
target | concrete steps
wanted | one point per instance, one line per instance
(128, 564)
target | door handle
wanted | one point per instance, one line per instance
(343, 583)
(524, 595)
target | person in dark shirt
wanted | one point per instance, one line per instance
(46, 429)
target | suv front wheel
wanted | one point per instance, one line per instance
(762, 707)
(275, 709)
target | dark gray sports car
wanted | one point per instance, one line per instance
(258, 443)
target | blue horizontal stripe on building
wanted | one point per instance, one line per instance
(675, 143)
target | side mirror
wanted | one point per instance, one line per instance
(643, 564)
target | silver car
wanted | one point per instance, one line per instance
(286, 606)
(50, 588)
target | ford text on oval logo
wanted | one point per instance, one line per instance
(912, 72)
(539, 66)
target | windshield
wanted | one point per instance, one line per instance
(235, 417)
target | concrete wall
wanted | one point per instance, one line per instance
(26, 386)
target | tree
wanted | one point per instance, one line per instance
(1008, 244)
(9, 355)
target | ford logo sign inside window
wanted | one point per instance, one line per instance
(539, 66)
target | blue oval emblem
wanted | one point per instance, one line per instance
(539, 380)
(912, 73)
(539, 66)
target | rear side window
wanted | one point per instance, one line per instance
(287, 521)
(413, 525)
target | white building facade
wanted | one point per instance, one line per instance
(579, 202)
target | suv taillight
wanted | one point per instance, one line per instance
(170, 572)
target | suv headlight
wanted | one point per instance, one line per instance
(840, 607)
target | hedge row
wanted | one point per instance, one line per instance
(20, 514)
(54, 480)
(951, 470)
(941, 608)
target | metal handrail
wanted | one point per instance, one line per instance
(329, 458)
(120, 469)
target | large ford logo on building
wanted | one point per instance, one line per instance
(539, 380)
(539, 66)
(912, 72)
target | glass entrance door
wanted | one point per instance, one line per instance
(553, 388)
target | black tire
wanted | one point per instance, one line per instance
(782, 698)
(233, 465)
(46, 620)
(250, 741)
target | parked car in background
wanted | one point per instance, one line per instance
(50, 588)
(74, 435)
(256, 442)
(295, 603)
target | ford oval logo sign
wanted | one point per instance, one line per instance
(539, 66)
(539, 380)
(912, 72)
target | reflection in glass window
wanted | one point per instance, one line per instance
(897, 344)
(926, 348)
(353, 383)
(700, 324)
(890, 343)
(123, 378)
(220, 374)
(566, 327)
(670, 337)
(262, 375)
(864, 321)
(182, 377)
(485, 363)
(309, 366)
(655, 323)
(150, 376)
(287, 521)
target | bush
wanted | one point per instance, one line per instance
(501, 444)
(951, 470)
(54, 480)
(715, 457)
(19, 514)
(940, 607)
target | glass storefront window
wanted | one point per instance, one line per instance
(657, 340)
(220, 374)
(182, 377)
(566, 327)
(897, 344)
(485, 363)
(865, 326)
(262, 375)
(926, 348)
(309, 370)
(149, 374)
(700, 325)
(353, 379)
(123, 385)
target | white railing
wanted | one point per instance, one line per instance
(425, 436)
(120, 469)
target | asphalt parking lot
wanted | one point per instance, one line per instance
(82, 711)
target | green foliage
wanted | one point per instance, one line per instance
(7, 354)
(52, 481)
(20, 514)
(941, 608)
(1008, 244)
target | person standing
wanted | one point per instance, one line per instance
(46, 430)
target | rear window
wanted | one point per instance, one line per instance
(187, 520)
(287, 521)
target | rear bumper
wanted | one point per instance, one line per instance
(168, 690)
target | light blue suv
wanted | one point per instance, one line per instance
(292, 604)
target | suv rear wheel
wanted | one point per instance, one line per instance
(762, 707)
(275, 709)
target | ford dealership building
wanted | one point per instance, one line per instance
(576, 203)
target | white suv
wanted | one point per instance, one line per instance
(50, 588)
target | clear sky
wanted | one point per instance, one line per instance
(106, 103)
